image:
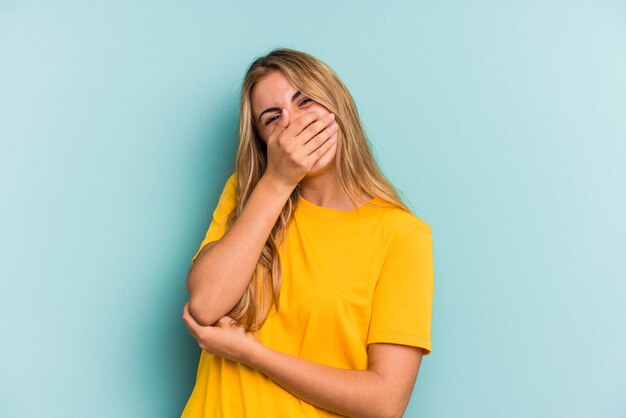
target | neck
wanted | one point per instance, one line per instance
(323, 189)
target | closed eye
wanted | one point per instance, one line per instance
(275, 117)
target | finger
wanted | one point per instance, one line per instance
(191, 323)
(303, 121)
(316, 128)
(323, 154)
(222, 322)
(186, 312)
(326, 134)
(225, 322)
(187, 318)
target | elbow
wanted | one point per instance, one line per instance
(201, 306)
(201, 314)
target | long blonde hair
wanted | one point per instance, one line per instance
(356, 168)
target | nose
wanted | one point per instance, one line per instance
(295, 112)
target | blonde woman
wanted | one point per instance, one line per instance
(311, 294)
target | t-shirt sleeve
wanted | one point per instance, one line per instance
(225, 204)
(403, 297)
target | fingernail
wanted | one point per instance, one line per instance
(331, 116)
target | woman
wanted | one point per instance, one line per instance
(311, 294)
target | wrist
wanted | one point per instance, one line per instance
(277, 185)
(253, 353)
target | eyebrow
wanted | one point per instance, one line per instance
(278, 109)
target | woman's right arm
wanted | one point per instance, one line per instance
(223, 269)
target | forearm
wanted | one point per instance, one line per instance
(354, 393)
(220, 275)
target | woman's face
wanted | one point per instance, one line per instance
(273, 93)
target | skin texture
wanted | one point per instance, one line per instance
(301, 142)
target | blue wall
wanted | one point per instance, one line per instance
(502, 124)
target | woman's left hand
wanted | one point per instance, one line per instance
(224, 339)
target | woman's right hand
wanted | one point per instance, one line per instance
(293, 149)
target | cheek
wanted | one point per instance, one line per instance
(319, 108)
(260, 133)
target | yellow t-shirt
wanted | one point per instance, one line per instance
(350, 278)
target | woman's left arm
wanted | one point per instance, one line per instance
(383, 390)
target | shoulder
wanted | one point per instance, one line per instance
(230, 186)
(400, 223)
(228, 195)
(231, 182)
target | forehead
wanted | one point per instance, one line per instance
(270, 91)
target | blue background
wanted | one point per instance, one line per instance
(502, 123)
